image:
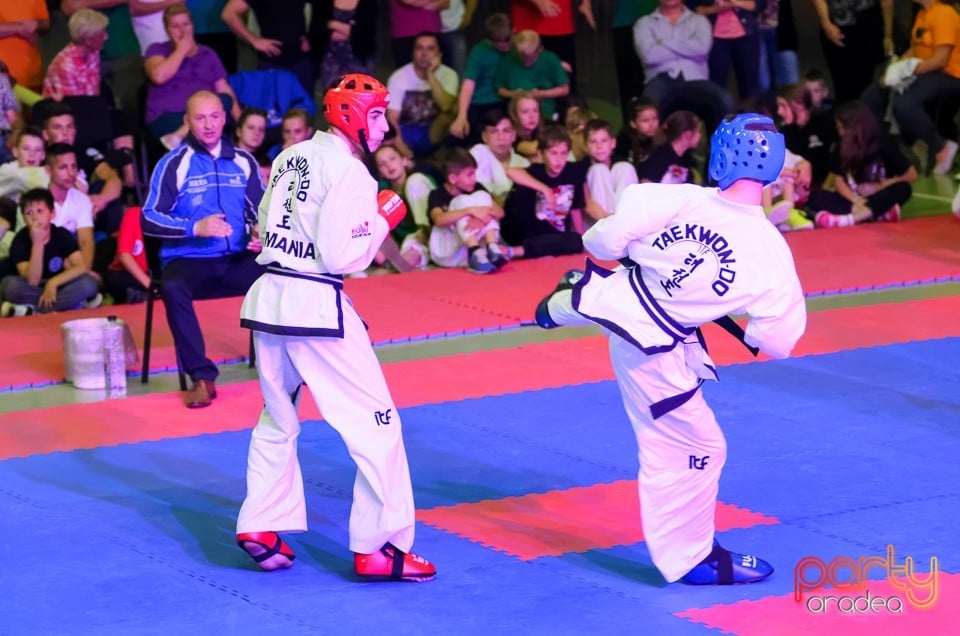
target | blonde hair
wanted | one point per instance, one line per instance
(175, 10)
(514, 107)
(86, 23)
(526, 41)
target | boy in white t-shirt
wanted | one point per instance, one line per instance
(74, 211)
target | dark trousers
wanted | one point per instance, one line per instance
(743, 55)
(853, 66)
(117, 282)
(565, 48)
(520, 226)
(629, 69)
(912, 107)
(878, 202)
(187, 279)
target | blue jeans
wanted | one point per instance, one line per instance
(743, 54)
(17, 290)
(777, 68)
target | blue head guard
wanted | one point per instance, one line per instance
(746, 147)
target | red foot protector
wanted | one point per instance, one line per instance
(274, 553)
(392, 564)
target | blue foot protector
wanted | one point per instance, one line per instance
(722, 567)
(567, 281)
(542, 315)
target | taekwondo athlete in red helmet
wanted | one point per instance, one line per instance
(321, 218)
(691, 255)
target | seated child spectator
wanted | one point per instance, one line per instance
(8, 229)
(9, 114)
(251, 129)
(671, 162)
(466, 221)
(294, 128)
(250, 135)
(51, 273)
(529, 67)
(499, 166)
(872, 176)
(531, 220)
(784, 199)
(525, 113)
(128, 277)
(606, 179)
(807, 132)
(411, 238)
(641, 135)
(815, 81)
(27, 172)
(576, 121)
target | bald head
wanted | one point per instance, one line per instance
(206, 118)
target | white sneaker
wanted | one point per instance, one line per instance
(9, 309)
(92, 303)
(945, 157)
(778, 213)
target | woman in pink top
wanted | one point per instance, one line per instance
(736, 43)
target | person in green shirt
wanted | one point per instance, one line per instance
(478, 95)
(530, 68)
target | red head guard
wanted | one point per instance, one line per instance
(346, 104)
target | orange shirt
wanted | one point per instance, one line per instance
(22, 57)
(937, 25)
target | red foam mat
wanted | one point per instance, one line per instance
(434, 380)
(445, 302)
(561, 521)
(877, 255)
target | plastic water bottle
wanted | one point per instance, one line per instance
(114, 361)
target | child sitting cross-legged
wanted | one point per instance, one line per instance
(606, 179)
(466, 220)
(51, 272)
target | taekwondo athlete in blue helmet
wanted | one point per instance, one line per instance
(691, 255)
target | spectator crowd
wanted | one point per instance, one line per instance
(495, 150)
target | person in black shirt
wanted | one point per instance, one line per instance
(872, 176)
(283, 42)
(671, 162)
(51, 274)
(542, 227)
(808, 132)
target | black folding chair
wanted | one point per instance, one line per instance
(154, 293)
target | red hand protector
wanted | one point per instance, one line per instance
(392, 208)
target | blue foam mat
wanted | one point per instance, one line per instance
(139, 538)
